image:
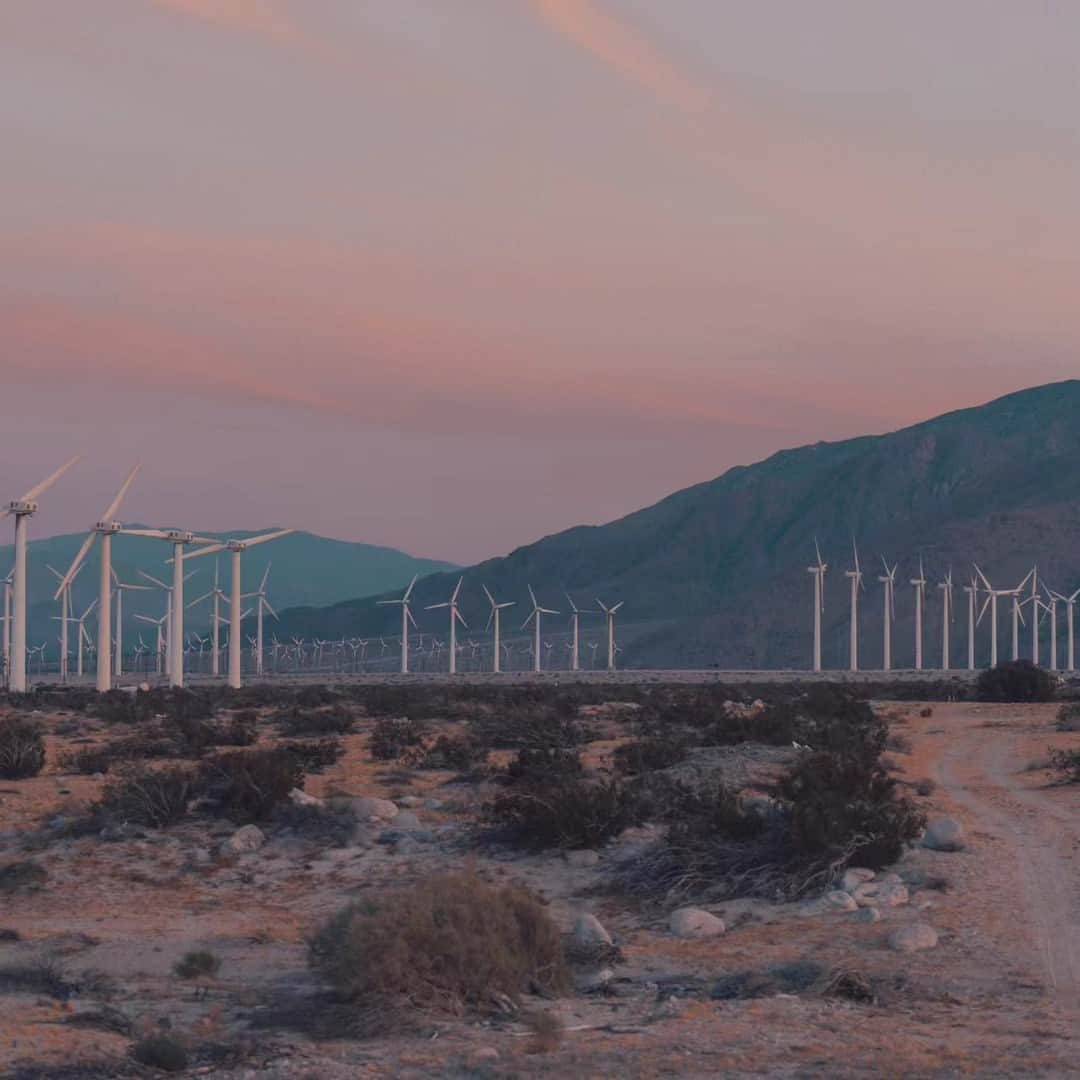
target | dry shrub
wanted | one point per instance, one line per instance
(334, 720)
(1068, 717)
(155, 798)
(1067, 763)
(21, 877)
(198, 964)
(451, 942)
(926, 712)
(851, 985)
(1015, 681)
(246, 785)
(392, 736)
(547, 1031)
(565, 814)
(650, 754)
(22, 748)
(925, 787)
(315, 755)
(544, 765)
(161, 1052)
(531, 725)
(100, 759)
(461, 754)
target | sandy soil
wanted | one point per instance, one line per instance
(999, 996)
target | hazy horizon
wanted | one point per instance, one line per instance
(452, 278)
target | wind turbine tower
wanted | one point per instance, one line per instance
(406, 618)
(972, 591)
(946, 588)
(920, 596)
(455, 618)
(493, 621)
(534, 617)
(575, 634)
(889, 583)
(856, 578)
(818, 573)
(609, 615)
(23, 509)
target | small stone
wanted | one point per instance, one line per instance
(410, 801)
(881, 894)
(944, 834)
(694, 923)
(854, 877)
(580, 859)
(839, 900)
(482, 1055)
(369, 807)
(248, 838)
(589, 932)
(590, 981)
(406, 820)
(913, 938)
(301, 798)
(406, 846)
(868, 915)
(433, 804)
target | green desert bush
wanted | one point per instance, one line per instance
(197, 964)
(22, 748)
(246, 785)
(450, 943)
(1015, 681)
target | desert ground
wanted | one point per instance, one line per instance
(89, 941)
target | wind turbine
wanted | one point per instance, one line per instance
(121, 588)
(406, 618)
(64, 619)
(1017, 615)
(1051, 610)
(82, 637)
(1035, 601)
(992, 602)
(216, 594)
(889, 581)
(920, 596)
(262, 605)
(946, 588)
(236, 548)
(575, 639)
(23, 509)
(160, 624)
(609, 614)
(1070, 606)
(455, 618)
(818, 572)
(972, 591)
(493, 621)
(7, 583)
(534, 617)
(106, 528)
(856, 578)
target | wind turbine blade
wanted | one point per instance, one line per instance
(153, 534)
(48, 482)
(213, 549)
(491, 619)
(205, 596)
(267, 537)
(266, 574)
(487, 593)
(986, 580)
(461, 618)
(412, 584)
(617, 606)
(532, 596)
(435, 607)
(457, 590)
(269, 608)
(76, 564)
(408, 612)
(114, 507)
(157, 581)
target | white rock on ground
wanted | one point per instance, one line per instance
(370, 807)
(406, 819)
(691, 922)
(302, 798)
(249, 838)
(582, 858)
(868, 915)
(944, 834)
(854, 877)
(881, 894)
(589, 931)
(913, 938)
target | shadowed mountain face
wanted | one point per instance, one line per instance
(717, 573)
(306, 569)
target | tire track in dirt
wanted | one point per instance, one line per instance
(979, 772)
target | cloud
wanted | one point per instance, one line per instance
(622, 48)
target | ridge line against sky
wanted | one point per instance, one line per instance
(579, 252)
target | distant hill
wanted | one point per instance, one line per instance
(716, 573)
(305, 569)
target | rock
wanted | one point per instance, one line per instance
(406, 820)
(831, 902)
(589, 932)
(406, 846)
(302, 798)
(369, 807)
(913, 938)
(694, 923)
(248, 838)
(854, 877)
(482, 1055)
(881, 894)
(433, 804)
(199, 857)
(944, 834)
(590, 981)
(580, 859)
(411, 801)
(868, 915)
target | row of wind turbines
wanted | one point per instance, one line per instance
(1041, 601)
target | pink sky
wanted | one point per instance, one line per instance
(452, 276)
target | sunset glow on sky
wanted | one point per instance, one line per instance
(450, 275)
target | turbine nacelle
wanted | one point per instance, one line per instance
(22, 507)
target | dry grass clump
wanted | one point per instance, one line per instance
(393, 736)
(22, 748)
(1067, 764)
(161, 1052)
(198, 964)
(462, 754)
(851, 985)
(547, 1031)
(155, 798)
(314, 755)
(335, 719)
(451, 943)
(1015, 681)
(1068, 717)
(24, 876)
(247, 785)
(650, 753)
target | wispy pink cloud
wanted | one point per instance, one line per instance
(258, 17)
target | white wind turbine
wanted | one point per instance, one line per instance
(105, 529)
(972, 591)
(856, 578)
(1050, 609)
(889, 582)
(534, 617)
(992, 603)
(83, 636)
(609, 615)
(217, 595)
(818, 573)
(455, 618)
(1070, 606)
(120, 588)
(65, 619)
(493, 622)
(1017, 615)
(406, 618)
(7, 583)
(946, 588)
(236, 548)
(262, 606)
(160, 625)
(1035, 600)
(575, 634)
(23, 509)
(919, 584)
